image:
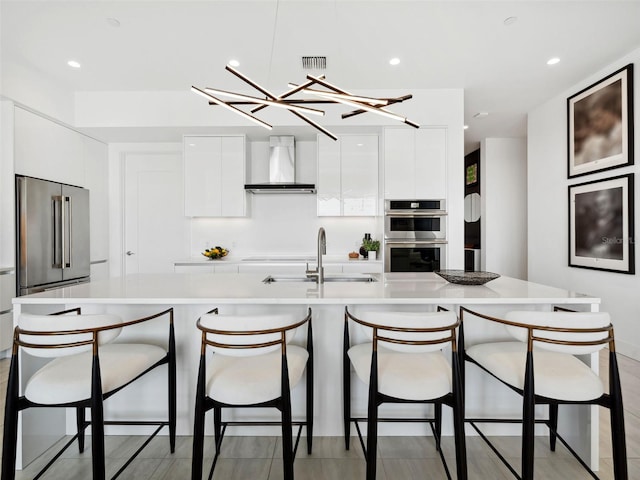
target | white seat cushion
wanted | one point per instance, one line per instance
(559, 376)
(68, 379)
(255, 379)
(410, 376)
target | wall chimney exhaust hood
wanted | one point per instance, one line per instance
(282, 170)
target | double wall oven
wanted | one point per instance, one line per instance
(415, 237)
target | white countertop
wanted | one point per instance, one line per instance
(391, 288)
(273, 259)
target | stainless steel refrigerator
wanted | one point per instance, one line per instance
(53, 234)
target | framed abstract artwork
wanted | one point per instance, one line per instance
(601, 225)
(600, 125)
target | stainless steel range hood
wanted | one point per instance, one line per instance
(282, 169)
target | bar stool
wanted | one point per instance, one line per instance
(402, 362)
(86, 369)
(542, 367)
(253, 365)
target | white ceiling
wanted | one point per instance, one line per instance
(171, 45)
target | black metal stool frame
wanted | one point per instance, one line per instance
(375, 398)
(15, 403)
(612, 401)
(204, 403)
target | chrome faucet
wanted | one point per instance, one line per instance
(318, 273)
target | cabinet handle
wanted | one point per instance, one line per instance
(129, 253)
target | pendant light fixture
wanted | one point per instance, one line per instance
(331, 94)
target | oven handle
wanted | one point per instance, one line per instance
(415, 213)
(415, 242)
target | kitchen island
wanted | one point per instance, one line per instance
(191, 295)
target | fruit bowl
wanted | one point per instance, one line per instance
(462, 277)
(215, 253)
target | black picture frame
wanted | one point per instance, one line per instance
(601, 229)
(600, 125)
(471, 174)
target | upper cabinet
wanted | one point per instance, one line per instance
(348, 175)
(97, 181)
(47, 150)
(214, 176)
(415, 163)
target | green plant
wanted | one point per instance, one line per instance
(371, 244)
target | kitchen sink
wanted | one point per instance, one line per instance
(327, 278)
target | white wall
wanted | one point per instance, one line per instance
(503, 179)
(37, 92)
(7, 201)
(548, 213)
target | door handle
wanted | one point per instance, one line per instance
(129, 253)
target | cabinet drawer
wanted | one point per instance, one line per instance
(362, 267)
(204, 268)
(6, 330)
(7, 290)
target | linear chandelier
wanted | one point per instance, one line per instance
(329, 94)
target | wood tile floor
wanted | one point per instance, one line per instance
(400, 458)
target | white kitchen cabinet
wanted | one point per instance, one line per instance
(97, 181)
(267, 268)
(362, 267)
(99, 271)
(47, 150)
(7, 292)
(415, 163)
(348, 175)
(207, 268)
(224, 268)
(214, 176)
(200, 268)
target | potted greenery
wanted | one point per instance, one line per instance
(370, 245)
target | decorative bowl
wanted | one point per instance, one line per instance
(463, 277)
(215, 253)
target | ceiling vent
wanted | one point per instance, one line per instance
(314, 63)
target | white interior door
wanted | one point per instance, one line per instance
(156, 232)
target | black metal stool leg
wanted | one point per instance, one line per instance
(310, 399)
(10, 435)
(172, 387)
(617, 422)
(97, 422)
(346, 386)
(458, 420)
(528, 421)
(372, 419)
(553, 425)
(217, 426)
(437, 414)
(287, 440)
(198, 424)
(80, 424)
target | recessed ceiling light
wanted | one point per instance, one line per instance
(466, 127)
(553, 61)
(74, 64)
(234, 63)
(394, 61)
(113, 22)
(510, 21)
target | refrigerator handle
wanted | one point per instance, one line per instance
(68, 228)
(65, 205)
(56, 217)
